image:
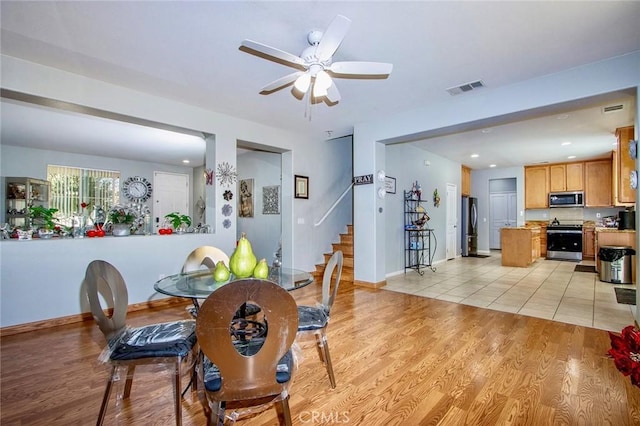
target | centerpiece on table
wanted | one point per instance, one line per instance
(122, 219)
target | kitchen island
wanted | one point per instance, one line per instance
(520, 245)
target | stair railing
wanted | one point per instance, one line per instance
(334, 205)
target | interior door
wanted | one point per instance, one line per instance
(452, 221)
(502, 214)
(170, 194)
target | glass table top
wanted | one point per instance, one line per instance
(200, 284)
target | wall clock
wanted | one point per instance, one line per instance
(137, 189)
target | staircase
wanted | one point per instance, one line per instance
(346, 245)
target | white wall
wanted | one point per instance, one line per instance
(406, 163)
(262, 230)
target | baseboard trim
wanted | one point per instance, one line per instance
(370, 285)
(86, 316)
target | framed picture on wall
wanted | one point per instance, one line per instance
(301, 189)
(390, 185)
(245, 200)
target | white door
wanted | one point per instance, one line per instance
(452, 221)
(502, 214)
(170, 194)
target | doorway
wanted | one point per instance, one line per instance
(452, 220)
(502, 208)
(170, 194)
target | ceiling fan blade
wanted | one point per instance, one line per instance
(361, 68)
(281, 55)
(332, 37)
(281, 82)
(333, 94)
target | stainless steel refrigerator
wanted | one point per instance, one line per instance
(469, 226)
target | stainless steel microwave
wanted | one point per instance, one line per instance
(566, 199)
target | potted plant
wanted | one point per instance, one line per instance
(44, 220)
(121, 219)
(180, 222)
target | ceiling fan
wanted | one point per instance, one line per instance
(315, 64)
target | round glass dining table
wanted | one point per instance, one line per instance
(200, 284)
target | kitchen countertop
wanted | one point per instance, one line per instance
(615, 230)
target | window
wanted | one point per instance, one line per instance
(72, 186)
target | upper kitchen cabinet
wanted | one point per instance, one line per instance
(598, 183)
(566, 177)
(466, 181)
(536, 187)
(624, 194)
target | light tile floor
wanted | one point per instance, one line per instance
(548, 289)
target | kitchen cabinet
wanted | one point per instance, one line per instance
(22, 193)
(588, 243)
(466, 181)
(536, 187)
(624, 194)
(520, 246)
(566, 177)
(598, 183)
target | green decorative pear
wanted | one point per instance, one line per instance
(221, 273)
(242, 261)
(261, 270)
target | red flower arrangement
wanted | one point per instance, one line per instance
(625, 350)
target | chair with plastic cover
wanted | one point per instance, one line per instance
(246, 375)
(209, 256)
(171, 343)
(314, 319)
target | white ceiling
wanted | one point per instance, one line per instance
(189, 52)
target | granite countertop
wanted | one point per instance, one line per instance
(615, 230)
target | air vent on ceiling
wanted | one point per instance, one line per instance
(467, 87)
(612, 108)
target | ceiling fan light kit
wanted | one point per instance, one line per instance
(317, 63)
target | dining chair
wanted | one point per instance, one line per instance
(242, 374)
(170, 343)
(314, 319)
(209, 256)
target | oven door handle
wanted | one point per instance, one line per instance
(558, 231)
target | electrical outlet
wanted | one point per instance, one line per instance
(598, 215)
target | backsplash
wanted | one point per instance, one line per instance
(571, 214)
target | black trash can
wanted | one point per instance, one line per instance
(616, 264)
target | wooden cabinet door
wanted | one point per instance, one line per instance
(597, 183)
(557, 178)
(466, 180)
(625, 194)
(575, 176)
(536, 187)
(588, 244)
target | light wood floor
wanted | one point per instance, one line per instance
(399, 359)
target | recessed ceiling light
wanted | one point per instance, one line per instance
(487, 130)
(562, 116)
(492, 165)
(185, 161)
(565, 143)
(475, 155)
(571, 157)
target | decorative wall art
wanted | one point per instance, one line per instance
(390, 184)
(301, 189)
(246, 198)
(226, 223)
(227, 209)
(271, 199)
(227, 174)
(208, 176)
(228, 195)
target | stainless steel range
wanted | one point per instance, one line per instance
(564, 241)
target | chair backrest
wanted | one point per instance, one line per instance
(247, 377)
(333, 265)
(204, 256)
(101, 276)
